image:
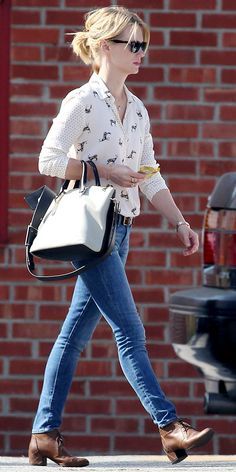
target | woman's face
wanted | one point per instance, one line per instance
(120, 55)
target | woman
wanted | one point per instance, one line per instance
(104, 122)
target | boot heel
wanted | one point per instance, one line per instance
(176, 456)
(38, 460)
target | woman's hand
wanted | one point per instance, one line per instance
(124, 176)
(189, 239)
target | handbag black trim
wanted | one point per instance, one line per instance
(39, 201)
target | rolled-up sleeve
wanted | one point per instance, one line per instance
(64, 132)
(153, 184)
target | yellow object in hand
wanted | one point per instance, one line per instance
(149, 170)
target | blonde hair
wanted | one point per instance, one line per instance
(104, 23)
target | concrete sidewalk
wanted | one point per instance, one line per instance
(130, 464)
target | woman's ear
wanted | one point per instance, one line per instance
(104, 45)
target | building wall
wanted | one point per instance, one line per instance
(188, 83)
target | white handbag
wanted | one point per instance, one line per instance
(76, 225)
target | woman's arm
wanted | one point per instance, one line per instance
(165, 204)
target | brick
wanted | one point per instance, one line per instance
(229, 5)
(15, 349)
(129, 407)
(34, 72)
(23, 54)
(148, 295)
(220, 95)
(219, 131)
(168, 277)
(134, 276)
(186, 5)
(229, 40)
(130, 444)
(146, 258)
(175, 130)
(172, 20)
(137, 239)
(190, 149)
(178, 260)
(74, 423)
(162, 239)
(27, 367)
(93, 368)
(117, 425)
(59, 91)
(26, 145)
(190, 74)
(199, 389)
(189, 408)
(217, 167)
(228, 76)
(169, 56)
(160, 351)
(88, 406)
(146, 74)
(8, 423)
(24, 17)
(35, 330)
(101, 444)
(154, 111)
(35, 35)
(99, 350)
(225, 58)
(27, 89)
(19, 442)
(226, 445)
(227, 149)
(38, 293)
(194, 38)
(23, 405)
(65, 17)
(4, 292)
(16, 310)
(36, 3)
(75, 73)
(157, 38)
(189, 112)
(110, 388)
(191, 185)
(87, 3)
(3, 330)
(221, 425)
(26, 127)
(228, 113)
(189, 167)
(16, 386)
(155, 333)
(50, 312)
(222, 21)
(176, 93)
(58, 53)
(148, 220)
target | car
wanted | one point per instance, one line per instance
(203, 319)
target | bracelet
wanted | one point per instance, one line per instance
(180, 223)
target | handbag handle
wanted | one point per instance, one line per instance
(95, 173)
(79, 183)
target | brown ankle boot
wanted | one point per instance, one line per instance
(177, 437)
(49, 445)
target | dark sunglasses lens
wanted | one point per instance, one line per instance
(136, 45)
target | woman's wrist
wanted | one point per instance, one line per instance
(181, 223)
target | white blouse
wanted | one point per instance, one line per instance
(88, 127)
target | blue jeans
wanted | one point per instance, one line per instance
(104, 290)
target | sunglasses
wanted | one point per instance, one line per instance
(134, 46)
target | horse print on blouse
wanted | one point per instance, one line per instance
(106, 136)
(124, 194)
(88, 108)
(139, 114)
(93, 158)
(113, 122)
(81, 146)
(87, 128)
(134, 127)
(112, 160)
(131, 155)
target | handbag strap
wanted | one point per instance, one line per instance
(44, 198)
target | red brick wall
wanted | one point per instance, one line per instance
(188, 83)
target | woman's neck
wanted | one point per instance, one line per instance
(114, 82)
